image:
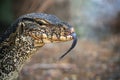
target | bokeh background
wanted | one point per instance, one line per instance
(97, 54)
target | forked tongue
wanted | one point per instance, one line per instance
(72, 46)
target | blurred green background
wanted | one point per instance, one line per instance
(6, 14)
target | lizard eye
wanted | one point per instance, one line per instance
(37, 20)
(41, 21)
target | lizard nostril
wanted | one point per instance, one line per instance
(72, 30)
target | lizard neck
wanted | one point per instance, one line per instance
(13, 56)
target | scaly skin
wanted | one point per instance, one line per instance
(25, 36)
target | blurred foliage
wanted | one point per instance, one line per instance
(95, 19)
(6, 14)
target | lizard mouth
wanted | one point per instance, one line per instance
(72, 46)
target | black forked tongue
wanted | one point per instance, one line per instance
(72, 46)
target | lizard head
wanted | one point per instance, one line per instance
(45, 28)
